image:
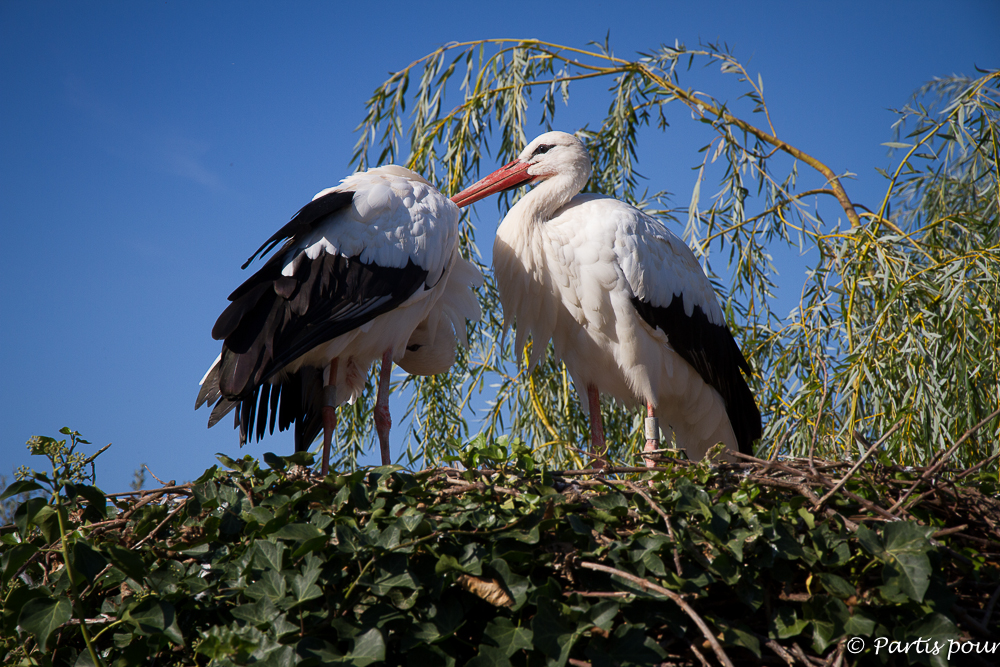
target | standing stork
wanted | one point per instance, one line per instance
(369, 270)
(623, 300)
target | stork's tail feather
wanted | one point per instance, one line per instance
(744, 415)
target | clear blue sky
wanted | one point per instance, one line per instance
(146, 149)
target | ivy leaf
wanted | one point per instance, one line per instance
(274, 461)
(93, 495)
(125, 560)
(298, 532)
(787, 624)
(501, 640)
(21, 486)
(319, 649)
(443, 620)
(369, 649)
(736, 635)
(870, 541)
(903, 548)
(260, 613)
(860, 624)
(14, 557)
(152, 617)
(515, 584)
(271, 584)
(910, 573)
(835, 585)
(268, 554)
(84, 659)
(86, 560)
(632, 646)
(603, 614)
(508, 637)
(936, 628)
(304, 584)
(42, 616)
(31, 512)
(550, 633)
(828, 616)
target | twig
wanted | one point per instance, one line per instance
(800, 654)
(162, 523)
(599, 594)
(170, 483)
(697, 654)
(934, 468)
(819, 417)
(949, 531)
(103, 618)
(837, 656)
(178, 488)
(781, 652)
(864, 457)
(677, 599)
(988, 612)
(645, 496)
(607, 471)
(972, 623)
(244, 490)
(984, 462)
(666, 519)
(145, 500)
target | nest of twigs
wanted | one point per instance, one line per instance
(739, 563)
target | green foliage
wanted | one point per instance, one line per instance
(896, 323)
(509, 564)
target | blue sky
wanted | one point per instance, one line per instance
(146, 149)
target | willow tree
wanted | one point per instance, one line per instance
(896, 330)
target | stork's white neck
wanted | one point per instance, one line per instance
(539, 206)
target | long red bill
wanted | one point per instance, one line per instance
(508, 176)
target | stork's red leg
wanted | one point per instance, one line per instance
(597, 446)
(383, 420)
(329, 415)
(652, 434)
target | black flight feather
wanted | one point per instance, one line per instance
(712, 351)
(274, 319)
(305, 220)
(334, 295)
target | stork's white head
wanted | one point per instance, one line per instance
(556, 157)
(557, 154)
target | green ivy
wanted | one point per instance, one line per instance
(508, 564)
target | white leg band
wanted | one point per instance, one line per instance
(652, 428)
(330, 395)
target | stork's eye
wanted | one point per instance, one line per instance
(544, 148)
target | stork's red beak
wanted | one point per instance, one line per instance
(508, 176)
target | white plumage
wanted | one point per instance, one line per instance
(624, 301)
(370, 271)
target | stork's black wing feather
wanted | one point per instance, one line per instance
(283, 317)
(274, 319)
(305, 220)
(712, 351)
(280, 320)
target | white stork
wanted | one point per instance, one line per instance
(370, 270)
(624, 301)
